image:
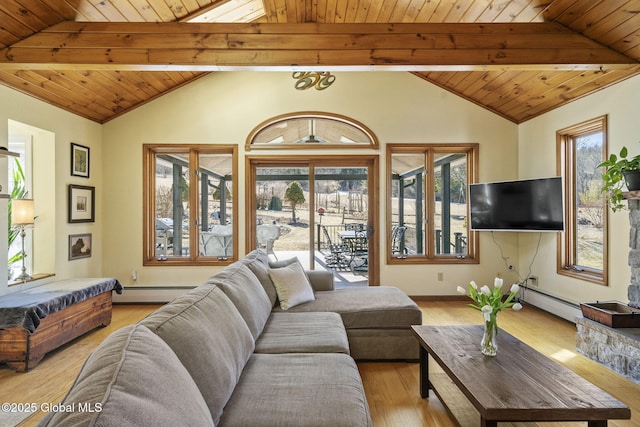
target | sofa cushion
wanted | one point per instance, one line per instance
(247, 294)
(258, 262)
(210, 338)
(383, 344)
(125, 382)
(321, 280)
(301, 390)
(383, 307)
(303, 333)
(292, 285)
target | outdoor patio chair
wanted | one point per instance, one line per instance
(397, 240)
(266, 235)
(359, 252)
(337, 252)
(216, 242)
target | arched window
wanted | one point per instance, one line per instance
(311, 130)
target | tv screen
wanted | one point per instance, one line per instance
(525, 205)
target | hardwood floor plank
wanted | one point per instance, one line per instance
(392, 389)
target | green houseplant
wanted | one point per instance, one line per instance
(19, 191)
(620, 171)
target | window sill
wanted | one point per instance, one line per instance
(586, 275)
(33, 279)
(176, 262)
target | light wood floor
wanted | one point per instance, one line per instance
(392, 389)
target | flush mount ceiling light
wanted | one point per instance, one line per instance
(307, 79)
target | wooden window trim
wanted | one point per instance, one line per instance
(565, 150)
(316, 161)
(149, 183)
(429, 150)
(250, 145)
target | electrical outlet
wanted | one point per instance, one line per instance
(532, 281)
(134, 275)
(440, 276)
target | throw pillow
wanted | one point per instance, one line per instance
(283, 263)
(292, 285)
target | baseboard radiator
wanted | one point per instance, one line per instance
(562, 308)
(149, 294)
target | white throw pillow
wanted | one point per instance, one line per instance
(292, 285)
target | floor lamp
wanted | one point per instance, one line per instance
(22, 215)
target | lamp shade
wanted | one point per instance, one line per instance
(22, 211)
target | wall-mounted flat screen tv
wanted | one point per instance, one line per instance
(524, 205)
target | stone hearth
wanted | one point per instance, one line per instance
(618, 349)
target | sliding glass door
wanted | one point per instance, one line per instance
(317, 210)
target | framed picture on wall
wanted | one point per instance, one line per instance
(79, 160)
(79, 246)
(82, 203)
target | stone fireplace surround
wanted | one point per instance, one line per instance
(618, 349)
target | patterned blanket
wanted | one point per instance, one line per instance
(25, 308)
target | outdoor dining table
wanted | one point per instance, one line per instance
(357, 243)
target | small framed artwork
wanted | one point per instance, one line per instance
(79, 160)
(79, 246)
(82, 203)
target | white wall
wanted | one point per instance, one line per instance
(67, 128)
(224, 107)
(537, 157)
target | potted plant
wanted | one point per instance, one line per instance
(19, 191)
(620, 171)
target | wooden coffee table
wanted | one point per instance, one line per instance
(519, 384)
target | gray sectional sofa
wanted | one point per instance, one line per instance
(227, 354)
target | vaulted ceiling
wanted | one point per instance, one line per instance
(517, 58)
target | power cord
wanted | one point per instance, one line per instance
(521, 282)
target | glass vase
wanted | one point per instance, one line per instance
(489, 344)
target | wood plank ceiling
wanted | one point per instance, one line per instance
(576, 46)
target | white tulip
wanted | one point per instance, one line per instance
(515, 288)
(485, 290)
(474, 285)
(517, 307)
(461, 290)
(486, 312)
(497, 283)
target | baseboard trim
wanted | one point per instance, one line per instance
(435, 298)
(557, 306)
(150, 294)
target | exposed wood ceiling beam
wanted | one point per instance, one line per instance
(312, 46)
